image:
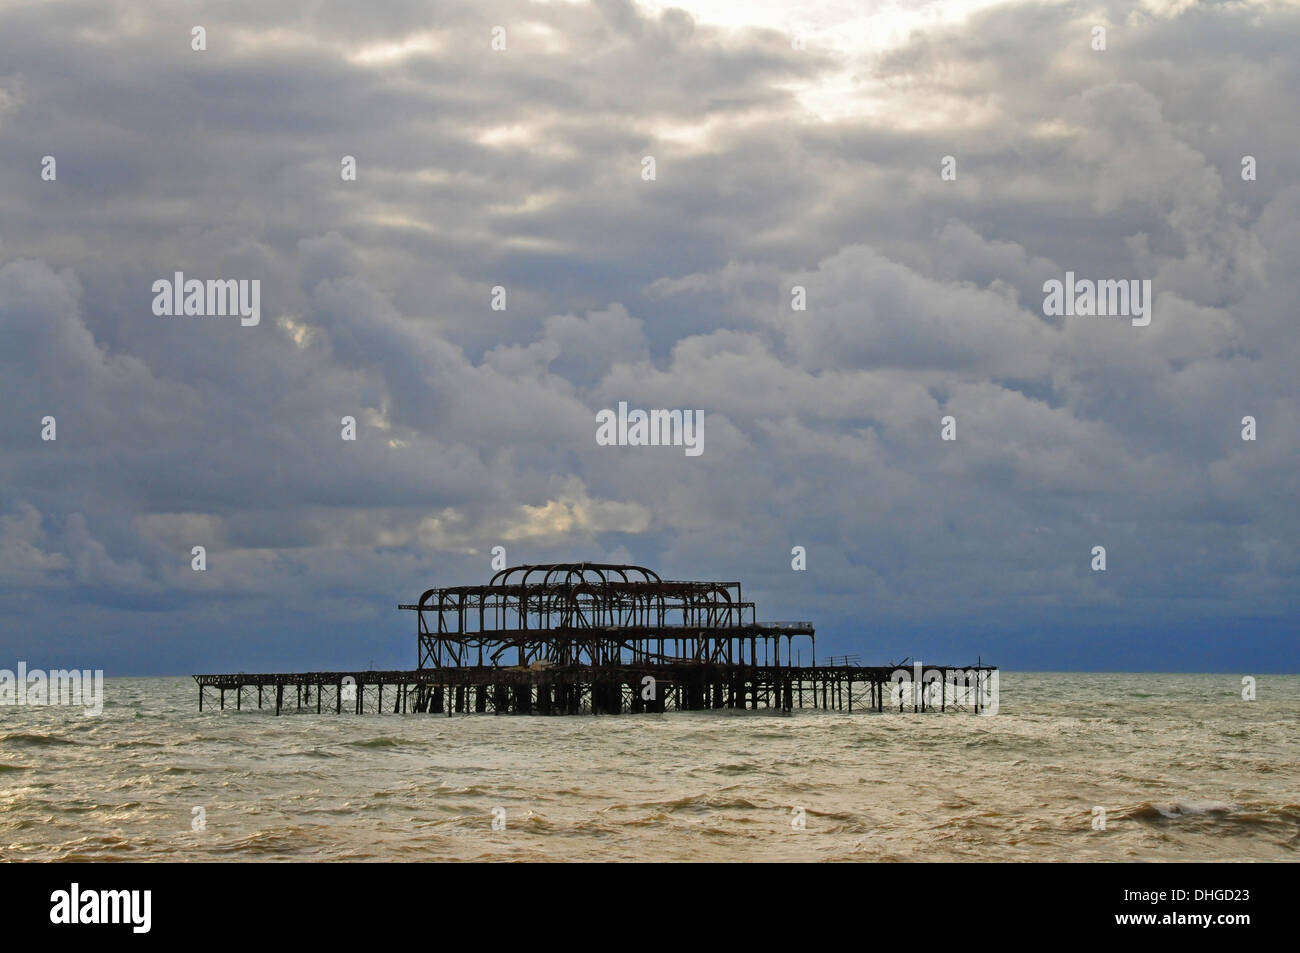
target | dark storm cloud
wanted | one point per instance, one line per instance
(522, 169)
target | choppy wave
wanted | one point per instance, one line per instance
(31, 739)
(1215, 814)
(1180, 767)
(380, 742)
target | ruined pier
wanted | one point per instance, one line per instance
(587, 638)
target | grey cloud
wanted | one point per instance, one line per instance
(476, 427)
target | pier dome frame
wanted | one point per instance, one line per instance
(599, 615)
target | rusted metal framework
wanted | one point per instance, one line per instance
(570, 638)
(599, 615)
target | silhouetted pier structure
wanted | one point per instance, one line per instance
(587, 638)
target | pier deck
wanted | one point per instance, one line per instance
(607, 690)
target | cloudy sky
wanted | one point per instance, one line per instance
(794, 144)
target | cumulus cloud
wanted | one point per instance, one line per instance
(776, 166)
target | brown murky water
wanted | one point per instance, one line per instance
(1183, 767)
